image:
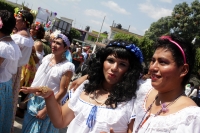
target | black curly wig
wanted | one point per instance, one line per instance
(125, 89)
(8, 20)
(176, 52)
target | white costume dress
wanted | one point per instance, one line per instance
(106, 118)
(25, 44)
(11, 53)
(49, 76)
(186, 120)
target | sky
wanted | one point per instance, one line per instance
(138, 14)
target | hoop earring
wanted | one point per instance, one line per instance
(64, 55)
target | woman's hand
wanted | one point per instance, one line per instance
(78, 82)
(42, 114)
(38, 91)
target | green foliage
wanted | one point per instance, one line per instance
(74, 34)
(184, 21)
(159, 28)
(145, 44)
(128, 38)
(197, 59)
(6, 6)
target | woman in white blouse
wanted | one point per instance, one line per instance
(161, 104)
(106, 99)
(9, 56)
(23, 39)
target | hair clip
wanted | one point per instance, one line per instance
(37, 25)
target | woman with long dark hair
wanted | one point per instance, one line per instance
(106, 99)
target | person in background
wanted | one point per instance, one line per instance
(46, 43)
(29, 70)
(74, 47)
(109, 90)
(9, 55)
(37, 32)
(189, 88)
(84, 53)
(77, 58)
(194, 92)
(23, 39)
(55, 72)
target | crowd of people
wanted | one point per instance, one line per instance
(114, 95)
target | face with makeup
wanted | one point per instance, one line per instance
(165, 72)
(114, 69)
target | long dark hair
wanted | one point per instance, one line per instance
(125, 89)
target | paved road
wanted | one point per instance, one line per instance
(18, 126)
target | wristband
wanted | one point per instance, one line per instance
(49, 95)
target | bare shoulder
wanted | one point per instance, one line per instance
(24, 33)
(84, 96)
(186, 102)
(38, 43)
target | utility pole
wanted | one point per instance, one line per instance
(74, 23)
(100, 29)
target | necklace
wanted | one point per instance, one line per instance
(4, 37)
(163, 109)
(102, 102)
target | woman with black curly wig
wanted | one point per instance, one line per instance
(106, 99)
(9, 56)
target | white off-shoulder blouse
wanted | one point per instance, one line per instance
(25, 44)
(186, 120)
(11, 54)
(106, 118)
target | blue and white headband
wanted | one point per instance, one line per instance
(64, 38)
(132, 48)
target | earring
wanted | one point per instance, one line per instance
(64, 55)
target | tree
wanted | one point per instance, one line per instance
(159, 28)
(145, 45)
(119, 26)
(184, 21)
(105, 32)
(74, 34)
(126, 37)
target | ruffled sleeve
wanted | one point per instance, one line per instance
(22, 41)
(47, 57)
(9, 50)
(75, 96)
(68, 66)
